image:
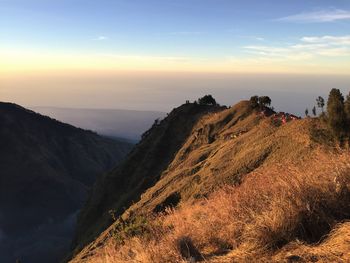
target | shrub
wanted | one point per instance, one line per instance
(322, 136)
(254, 102)
(134, 226)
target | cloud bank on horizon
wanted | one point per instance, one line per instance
(181, 35)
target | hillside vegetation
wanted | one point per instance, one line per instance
(242, 186)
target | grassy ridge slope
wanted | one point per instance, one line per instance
(141, 169)
(246, 150)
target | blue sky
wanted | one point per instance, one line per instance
(206, 34)
(65, 52)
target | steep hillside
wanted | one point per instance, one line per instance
(46, 170)
(225, 148)
(141, 170)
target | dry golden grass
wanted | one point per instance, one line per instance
(336, 248)
(278, 214)
(200, 167)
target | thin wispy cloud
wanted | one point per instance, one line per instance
(256, 38)
(144, 57)
(307, 47)
(100, 38)
(320, 16)
(259, 38)
(186, 33)
(334, 40)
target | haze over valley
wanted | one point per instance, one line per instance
(122, 124)
(158, 92)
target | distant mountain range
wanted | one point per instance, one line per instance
(46, 170)
(129, 124)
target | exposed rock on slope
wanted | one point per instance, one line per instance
(46, 169)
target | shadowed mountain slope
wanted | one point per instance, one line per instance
(46, 170)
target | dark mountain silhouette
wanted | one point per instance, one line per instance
(46, 170)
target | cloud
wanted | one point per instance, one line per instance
(101, 38)
(186, 33)
(321, 16)
(256, 38)
(259, 38)
(334, 40)
(144, 57)
(306, 48)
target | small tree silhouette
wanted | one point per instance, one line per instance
(347, 112)
(314, 111)
(307, 112)
(320, 102)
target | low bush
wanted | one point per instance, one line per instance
(134, 226)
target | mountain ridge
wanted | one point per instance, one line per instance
(225, 147)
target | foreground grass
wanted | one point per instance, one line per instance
(282, 214)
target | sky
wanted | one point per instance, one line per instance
(46, 40)
(191, 35)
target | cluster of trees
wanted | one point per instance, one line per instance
(337, 115)
(207, 100)
(260, 102)
(320, 104)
